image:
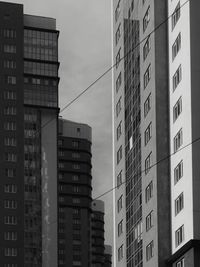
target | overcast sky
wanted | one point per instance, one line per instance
(84, 54)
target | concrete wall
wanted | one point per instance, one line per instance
(184, 90)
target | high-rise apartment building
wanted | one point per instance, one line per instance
(81, 239)
(156, 113)
(74, 194)
(97, 233)
(28, 158)
(101, 253)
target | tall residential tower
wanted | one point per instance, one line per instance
(28, 158)
(156, 131)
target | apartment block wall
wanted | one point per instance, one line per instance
(74, 194)
(119, 139)
(12, 133)
(157, 148)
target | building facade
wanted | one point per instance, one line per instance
(29, 100)
(184, 131)
(97, 233)
(74, 194)
(80, 220)
(141, 133)
(167, 131)
(101, 253)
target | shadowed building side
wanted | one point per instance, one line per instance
(74, 194)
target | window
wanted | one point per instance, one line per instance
(177, 77)
(10, 141)
(10, 188)
(177, 109)
(120, 227)
(10, 252)
(146, 19)
(147, 105)
(9, 49)
(119, 179)
(9, 33)
(179, 236)
(176, 15)
(10, 126)
(178, 140)
(76, 189)
(76, 155)
(117, 11)
(178, 172)
(61, 153)
(10, 236)
(10, 110)
(9, 64)
(179, 203)
(146, 48)
(76, 166)
(149, 191)
(148, 163)
(76, 221)
(118, 34)
(119, 154)
(118, 106)
(149, 221)
(119, 130)
(118, 58)
(119, 204)
(11, 79)
(147, 76)
(176, 46)
(118, 81)
(10, 173)
(60, 142)
(10, 265)
(148, 134)
(10, 204)
(11, 95)
(149, 251)
(120, 253)
(11, 157)
(76, 201)
(12, 220)
(75, 144)
(61, 165)
(181, 263)
(75, 178)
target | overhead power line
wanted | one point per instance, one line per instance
(153, 165)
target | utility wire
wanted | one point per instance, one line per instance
(110, 68)
(153, 165)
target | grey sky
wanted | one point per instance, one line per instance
(84, 54)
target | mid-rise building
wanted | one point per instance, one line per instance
(28, 158)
